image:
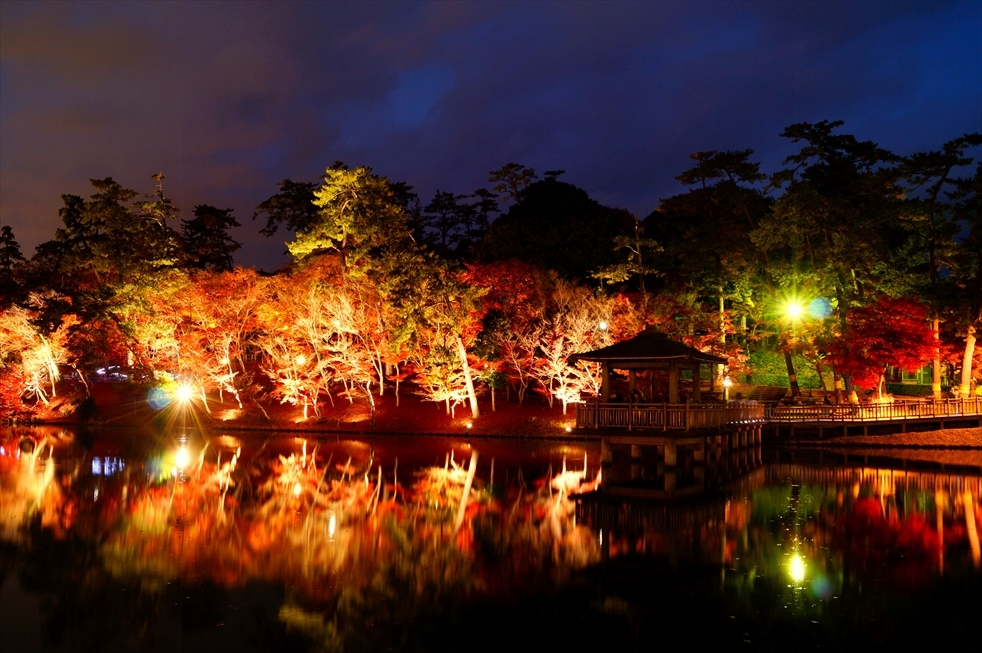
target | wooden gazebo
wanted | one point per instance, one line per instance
(651, 350)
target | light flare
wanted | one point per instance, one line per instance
(797, 568)
(182, 457)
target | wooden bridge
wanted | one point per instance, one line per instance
(690, 416)
(899, 413)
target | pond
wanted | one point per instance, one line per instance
(135, 541)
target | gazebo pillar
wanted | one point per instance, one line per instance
(673, 382)
(631, 379)
(697, 383)
(605, 381)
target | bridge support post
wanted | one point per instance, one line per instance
(606, 455)
(671, 455)
(699, 455)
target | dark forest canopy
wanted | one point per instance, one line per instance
(381, 280)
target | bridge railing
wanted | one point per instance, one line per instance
(666, 416)
(898, 410)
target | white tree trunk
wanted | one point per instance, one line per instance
(966, 384)
(471, 395)
(936, 363)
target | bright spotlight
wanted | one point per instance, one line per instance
(602, 326)
(184, 393)
(797, 568)
(794, 310)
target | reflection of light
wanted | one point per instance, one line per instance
(182, 457)
(569, 429)
(107, 466)
(797, 568)
(297, 489)
(602, 325)
(470, 425)
(601, 537)
(727, 382)
(332, 525)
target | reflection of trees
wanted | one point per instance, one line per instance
(870, 539)
(355, 545)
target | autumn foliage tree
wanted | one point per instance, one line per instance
(888, 331)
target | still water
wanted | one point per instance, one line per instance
(129, 541)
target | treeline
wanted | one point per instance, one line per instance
(493, 290)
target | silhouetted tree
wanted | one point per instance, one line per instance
(207, 244)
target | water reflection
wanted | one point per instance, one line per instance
(390, 544)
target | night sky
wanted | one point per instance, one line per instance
(229, 98)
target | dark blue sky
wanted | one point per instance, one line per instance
(228, 98)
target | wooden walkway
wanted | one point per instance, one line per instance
(898, 413)
(686, 417)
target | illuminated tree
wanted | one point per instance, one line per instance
(834, 226)
(885, 332)
(441, 316)
(929, 219)
(358, 217)
(573, 325)
(513, 304)
(968, 272)
(33, 356)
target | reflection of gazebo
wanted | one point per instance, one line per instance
(651, 350)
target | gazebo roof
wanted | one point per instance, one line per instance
(649, 346)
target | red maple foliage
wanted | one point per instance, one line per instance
(887, 331)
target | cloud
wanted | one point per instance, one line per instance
(229, 98)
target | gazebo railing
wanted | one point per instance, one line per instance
(666, 416)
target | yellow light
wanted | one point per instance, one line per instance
(797, 568)
(297, 489)
(569, 429)
(182, 457)
(470, 425)
(183, 393)
(602, 326)
(793, 310)
(727, 382)
(332, 526)
(301, 359)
